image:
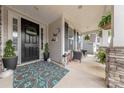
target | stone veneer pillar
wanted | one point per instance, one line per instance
(115, 67)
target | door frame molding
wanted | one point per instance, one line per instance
(18, 15)
(12, 15)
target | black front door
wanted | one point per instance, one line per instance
(29, 40)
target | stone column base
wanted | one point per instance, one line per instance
(115, 67)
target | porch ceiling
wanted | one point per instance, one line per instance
(85, 18)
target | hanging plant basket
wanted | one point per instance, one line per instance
(106, 26)
(87, 38)
(105, 22)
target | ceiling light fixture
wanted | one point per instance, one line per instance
(80, 6)
(36, 8)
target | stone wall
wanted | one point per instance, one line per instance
(115, 67)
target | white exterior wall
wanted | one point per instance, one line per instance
(118, 39)
(56, 47)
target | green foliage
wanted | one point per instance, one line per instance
(46, 50)
(110, 33)
(101, 55)
(9, 50)
(105, 20)
(87, 37)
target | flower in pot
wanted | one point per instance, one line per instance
(46, 52)
(101, 55)
(9, 57)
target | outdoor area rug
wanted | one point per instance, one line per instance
(38, 75)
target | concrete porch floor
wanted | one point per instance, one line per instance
(88, 74)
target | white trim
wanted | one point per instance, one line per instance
(19, 39)
(12, 15)
(22, 15)
(2, 30)
(25, 15)
(62, 39)
(40, 41)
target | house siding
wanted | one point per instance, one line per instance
(55, 47)
(5, 25)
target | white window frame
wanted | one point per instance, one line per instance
(12, 15)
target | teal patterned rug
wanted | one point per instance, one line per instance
(38, 75)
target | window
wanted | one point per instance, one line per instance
(74, 39)
(71, 38)
(15, 33)
(66, 37)
(42, 38)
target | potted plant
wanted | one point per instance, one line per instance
(9, 57)
(101, 55)
(46, 52)
(105, 22)
(87, 37)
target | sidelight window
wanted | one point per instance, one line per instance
(15, 33)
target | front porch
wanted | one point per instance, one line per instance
(30, 30)
(68, 31)
(87, 74)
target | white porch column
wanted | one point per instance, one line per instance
(118, 39)
(104, 42)
(82, 41)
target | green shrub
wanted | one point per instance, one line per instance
(87, 37)
(101, 55)
(9, 50)
(46, 50)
